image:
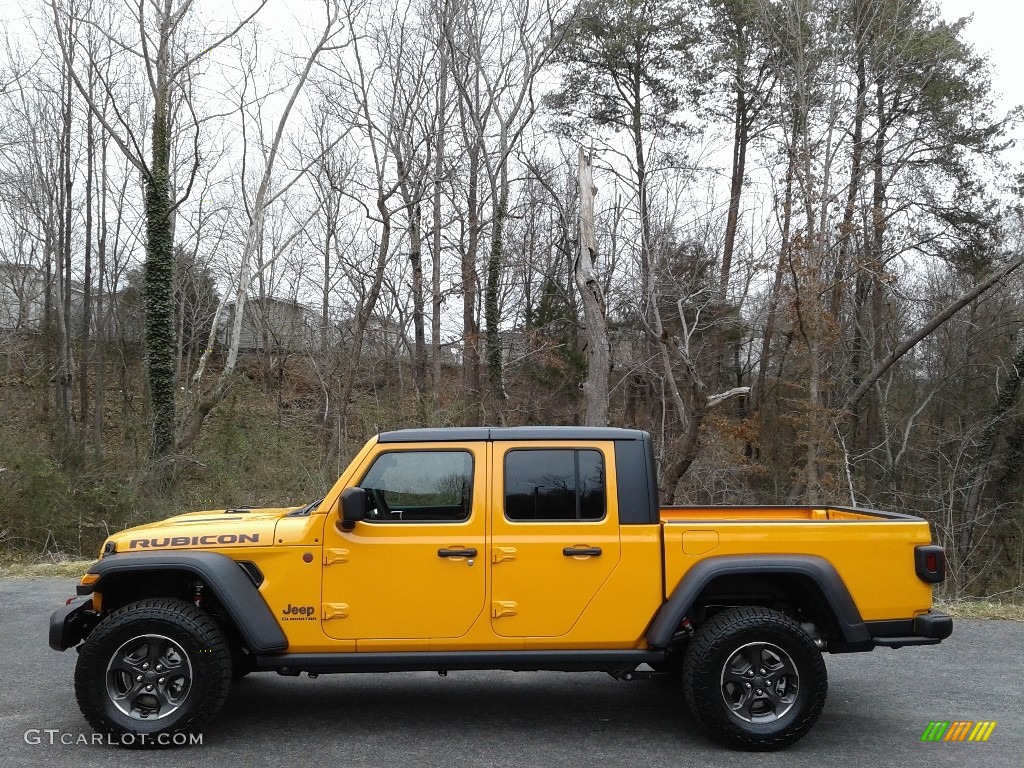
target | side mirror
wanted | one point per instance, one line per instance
(353, 507)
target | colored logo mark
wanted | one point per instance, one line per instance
(958, 730)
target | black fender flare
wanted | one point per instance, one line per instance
(221, 575)
(817, 569)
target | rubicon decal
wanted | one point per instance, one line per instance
(958, 730)
(195, 541)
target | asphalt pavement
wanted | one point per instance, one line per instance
(879, 704)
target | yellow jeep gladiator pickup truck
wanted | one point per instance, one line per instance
(530, 548)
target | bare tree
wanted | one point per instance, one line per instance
(498, 50)
(266, 194)
(158, 37)
(595, 388)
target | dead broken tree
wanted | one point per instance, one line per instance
(595, 388)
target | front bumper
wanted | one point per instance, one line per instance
(70, 624)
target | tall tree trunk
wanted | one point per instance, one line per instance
(435, 265)
(595, 388)
(491, 290)
(101, 324)
(774, 297)
(470, 329)
(159, 297)
(846, 229)
(847, 242)
(65, 373)
(159, 270)
(50, 257)
(83, 370)
(362, 322)
(811, 485)
(419, 332)
(877, 260)
(741, 133)
(654, 400)
(325, 288)
(641, 184)
(858, 349)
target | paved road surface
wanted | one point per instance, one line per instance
(879, 703)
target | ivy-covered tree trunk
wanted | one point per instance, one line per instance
(158, 291)
(491, 291)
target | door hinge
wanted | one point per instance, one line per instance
(501, 554)
(332, 556)
(501, 608)
(335, 611)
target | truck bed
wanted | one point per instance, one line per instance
(872, 551)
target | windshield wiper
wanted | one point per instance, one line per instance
(303, 511)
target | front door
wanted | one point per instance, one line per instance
(555, 534)
(413, 569)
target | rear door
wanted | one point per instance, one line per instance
(555, 534)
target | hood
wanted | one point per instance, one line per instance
(215, 529)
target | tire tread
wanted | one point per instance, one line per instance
(702, 690)
(213, 666)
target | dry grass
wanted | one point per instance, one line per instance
(982, 609)
(20, 569)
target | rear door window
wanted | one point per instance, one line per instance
(554, 485)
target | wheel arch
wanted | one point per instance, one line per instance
(810, 582)
(136, 575)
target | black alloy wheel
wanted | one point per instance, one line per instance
(153, 671)
(754, 678)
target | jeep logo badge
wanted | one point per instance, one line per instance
(298, 613)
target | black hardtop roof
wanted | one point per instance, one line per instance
(467, 434)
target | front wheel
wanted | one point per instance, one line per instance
(754, 679)
(153, 672)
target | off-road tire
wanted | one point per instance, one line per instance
(739, 675)
(118, 680)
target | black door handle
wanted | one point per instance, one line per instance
(578, 551)
(456, 552)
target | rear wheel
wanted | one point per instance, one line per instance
(754, 678)
(152, 670)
